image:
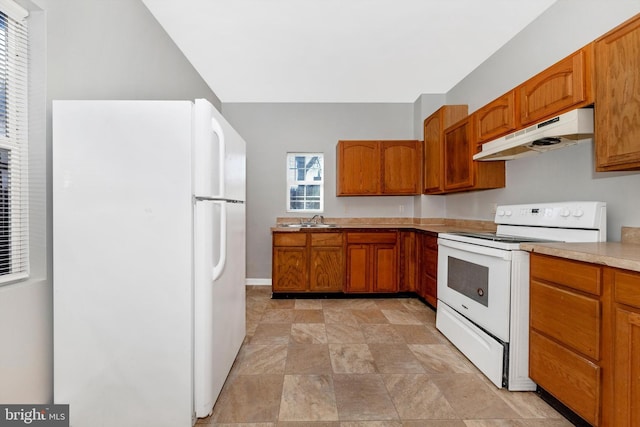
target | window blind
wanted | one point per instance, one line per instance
(14, 208)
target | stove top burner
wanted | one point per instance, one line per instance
(500, 237)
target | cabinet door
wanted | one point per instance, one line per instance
(358, 268)
(627, 367)
(429, 266)
(385, 269)
(458, 157)
(358, 168)
(326, 271)
(409, 264)
(617, 126)
(433, 162)
(433, 155)
(626, 359)
(401, 167)
(566, 84)
(495, 119)
(289, 269)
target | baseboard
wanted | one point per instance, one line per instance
(258, 282)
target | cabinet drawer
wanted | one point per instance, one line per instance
(290, 239)
(627, 288)
(573, 380)
(384, 237)
(326, 239)
(571, 318)
(573, 274)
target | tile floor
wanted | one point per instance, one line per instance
(360, 363)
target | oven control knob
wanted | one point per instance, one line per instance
(565, 213)
(578, 213)
(500, 212)
(508, 212)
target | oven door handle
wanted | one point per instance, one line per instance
(477, 249)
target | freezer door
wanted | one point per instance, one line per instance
(219, 155)
(219, 297)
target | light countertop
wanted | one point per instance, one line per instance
(433, 225)
(625, 255)
(613, 254)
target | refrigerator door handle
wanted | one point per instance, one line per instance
(217, 270)
(217, 129)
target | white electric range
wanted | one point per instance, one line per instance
(483, 283)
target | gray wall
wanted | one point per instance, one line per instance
(569, 173)
(115, 49)
(95, 49)
(271, 130)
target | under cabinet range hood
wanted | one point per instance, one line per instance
(560, 131)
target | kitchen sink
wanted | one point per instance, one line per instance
(307, 225)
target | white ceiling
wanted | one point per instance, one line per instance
(339, 50)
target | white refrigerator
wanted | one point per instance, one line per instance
(148, 260)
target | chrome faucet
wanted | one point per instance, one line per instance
(317, 218)
(314, 220)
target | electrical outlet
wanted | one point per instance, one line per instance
(494, 208)
(401, 208)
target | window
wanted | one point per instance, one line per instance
(14, 213)
(305, 182)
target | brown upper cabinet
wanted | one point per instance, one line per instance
(434, 127)
(565, 85)
(358, 168)
(370, 168)
(461, 172)
(495, 119)
(617, 117)
(458, 162)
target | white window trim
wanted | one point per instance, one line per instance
(295, 182)
(13, 10)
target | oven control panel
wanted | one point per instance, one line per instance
(588, 215)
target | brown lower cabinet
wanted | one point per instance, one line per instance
(584, 343)
(372, 262)
(326, 262)
(289, 268)
(409, 266)
(428, 254)
(358, 261)
(308, 262)
(626, 347)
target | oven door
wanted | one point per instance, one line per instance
(475, 281)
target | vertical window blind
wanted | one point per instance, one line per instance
(14, 201)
